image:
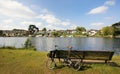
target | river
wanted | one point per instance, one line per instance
(47, 43)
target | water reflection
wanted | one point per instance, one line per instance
(17, 42)
(47, 44)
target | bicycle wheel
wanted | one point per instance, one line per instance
(77, 65)
(50, 64)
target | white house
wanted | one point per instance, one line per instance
(92, 32)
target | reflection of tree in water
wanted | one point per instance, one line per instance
(55, 43)
(117, 51)
(116, 45)
(47, 43)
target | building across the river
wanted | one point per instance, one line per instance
(13, 33)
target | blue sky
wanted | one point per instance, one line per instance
(58, 14)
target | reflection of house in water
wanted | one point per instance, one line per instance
(13, 33)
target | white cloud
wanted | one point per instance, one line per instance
(103, 8)
(6, 27)
(110, 2)
(53, 22)
(6, 24)
(98, 10)
(7, 21)
(66, 23)
(73, 26)
(97, 25)
(44, 10)
(51, 19)
(109, 18)
(52, 27)
(29, 22)
(13, 8)
(9, 24)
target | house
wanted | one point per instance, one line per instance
(92, 32)
(42, 33)
(7, 33)
(14, 33)
(19, 32)
(70, 31)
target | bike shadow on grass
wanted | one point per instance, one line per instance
(84, 67)
(89, 65)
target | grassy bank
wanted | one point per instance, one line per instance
(33, 62)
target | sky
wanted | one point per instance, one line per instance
(58, 14)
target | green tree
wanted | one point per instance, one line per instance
(80, 29)
(116, 28)
(1, 33)
(116, 24)
(56, 34)
(108, 30)
(117, 31)
(44, 29)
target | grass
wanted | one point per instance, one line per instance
(33, 62)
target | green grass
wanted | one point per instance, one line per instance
(33, 62)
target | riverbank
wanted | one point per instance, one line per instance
(99, 36)
(33, 62)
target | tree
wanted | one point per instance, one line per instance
(116, 24)
(1, 33)
(116, 28)
(108, 30)
(80, 29)
(44, 29)
(33, 29)
(56, 34)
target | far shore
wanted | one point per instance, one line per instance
(109, 36)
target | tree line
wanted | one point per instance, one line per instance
(110, 31)
(113, 30)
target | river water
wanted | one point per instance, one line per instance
(47, 43)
